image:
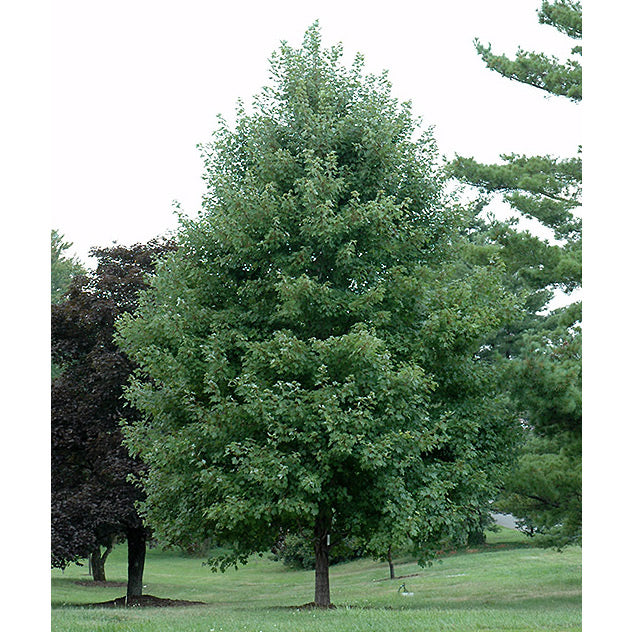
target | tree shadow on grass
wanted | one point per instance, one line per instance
(143, 601)
(542, 604)
(488, 548)
(546, 603)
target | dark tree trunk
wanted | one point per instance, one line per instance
(392, 572)
(476, 537)
(97, 565)
(135, 561)
(97, 560)
(322, 555)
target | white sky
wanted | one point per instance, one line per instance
(137, 84)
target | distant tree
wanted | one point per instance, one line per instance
(544, 489)
(92, 499)
(543, 348)
(308, 355)
(63, 268)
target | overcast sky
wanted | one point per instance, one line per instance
(136, 85)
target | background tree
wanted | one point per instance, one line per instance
(308, 355)
(544, 489)
(543, 347)
(63, 268)
(92, 500)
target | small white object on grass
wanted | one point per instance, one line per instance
(405, 592)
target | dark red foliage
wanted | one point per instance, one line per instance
(92, 498)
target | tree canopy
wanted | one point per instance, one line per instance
(308, 356)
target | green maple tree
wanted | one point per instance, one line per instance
(308, 356)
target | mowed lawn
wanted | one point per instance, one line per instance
(505, 585)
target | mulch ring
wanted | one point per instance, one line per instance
(144, 601)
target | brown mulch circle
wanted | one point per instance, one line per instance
(144, 601)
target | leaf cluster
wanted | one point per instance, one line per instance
(537, 69)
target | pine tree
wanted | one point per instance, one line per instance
(539, 70)
(543, 349)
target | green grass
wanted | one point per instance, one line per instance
(506, 585)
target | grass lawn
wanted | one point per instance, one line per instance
(506, 585)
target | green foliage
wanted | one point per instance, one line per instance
(62, 268)
(544, 489)
(542, 349)
(539, 188)
(549, 377)
(308, 355)
(563, 15)
(539, 70)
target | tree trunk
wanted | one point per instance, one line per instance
(476, 537)
(97, 560)
(135, 561)
(97, 565)
(392, 572)
(321, 554)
